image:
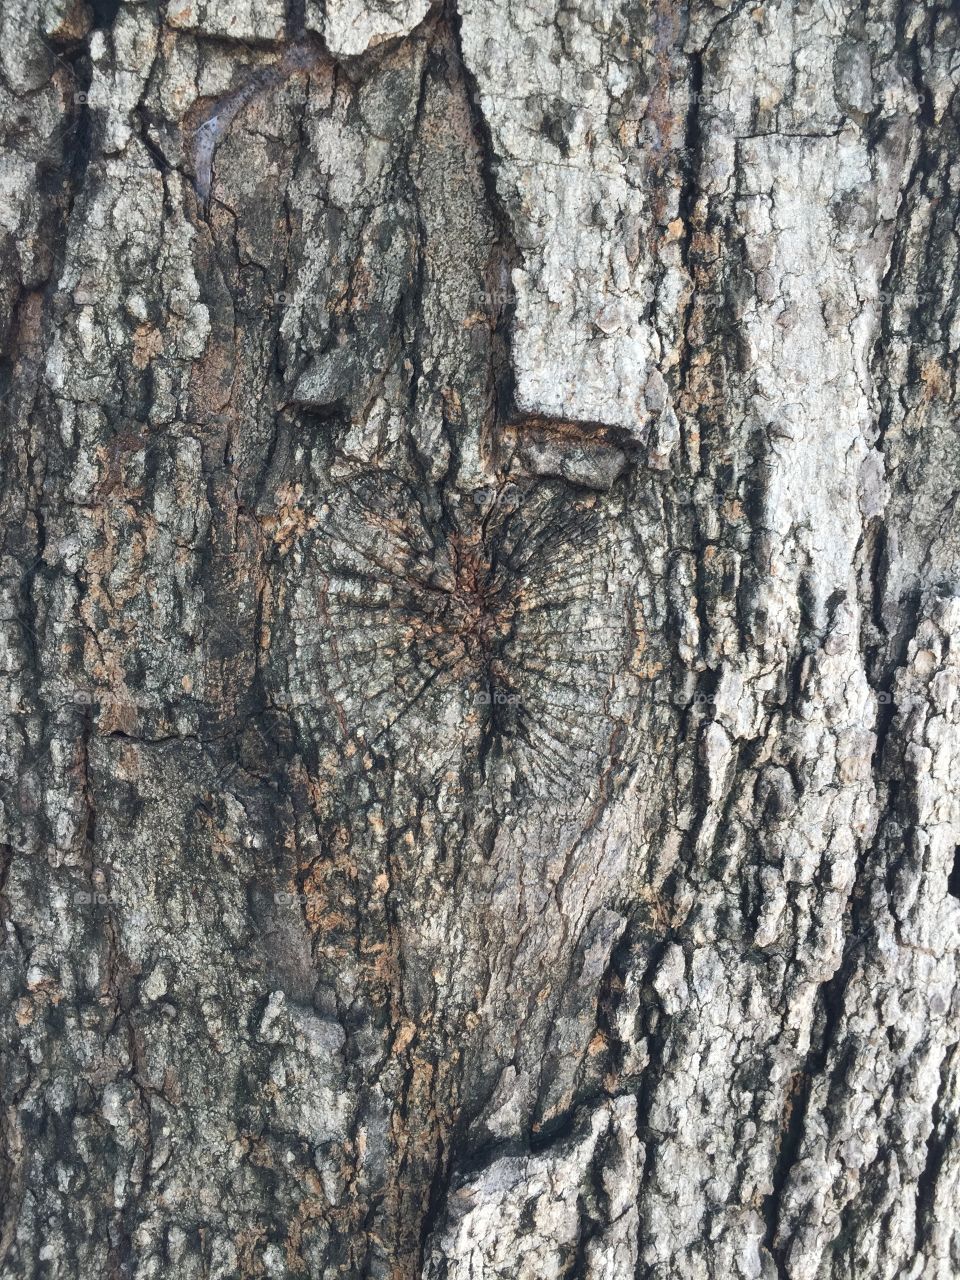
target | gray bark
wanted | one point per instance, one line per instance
(480, 627)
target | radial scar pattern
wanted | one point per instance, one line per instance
(473, 627)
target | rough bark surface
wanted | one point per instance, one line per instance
(480, 623)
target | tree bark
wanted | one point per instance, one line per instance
(481, 640)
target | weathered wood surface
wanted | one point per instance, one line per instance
(481, 640)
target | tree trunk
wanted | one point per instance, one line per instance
(481, 636)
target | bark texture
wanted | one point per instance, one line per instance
(480, 760)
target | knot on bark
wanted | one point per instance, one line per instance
(445, 631)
